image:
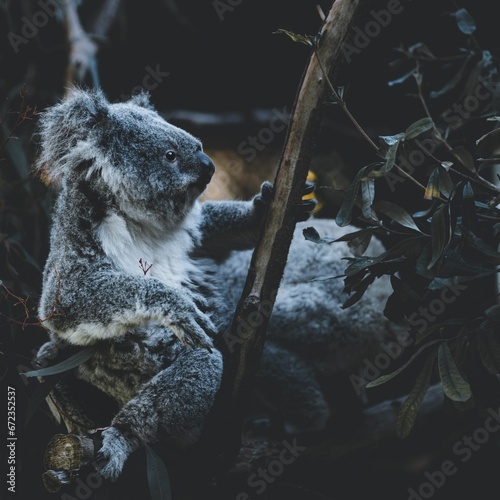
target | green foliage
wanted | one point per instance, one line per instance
(440, 222)
(158, 478)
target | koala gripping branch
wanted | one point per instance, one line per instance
(270, 256)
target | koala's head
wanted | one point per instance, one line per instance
(127, 150)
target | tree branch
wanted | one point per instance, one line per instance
(242, 355)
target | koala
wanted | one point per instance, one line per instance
(144, 271)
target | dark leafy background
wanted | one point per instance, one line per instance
(447, 233)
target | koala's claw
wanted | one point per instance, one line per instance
(262, 200)
(307, 205)
(309, 188)
(196, 331)
(114, 452)
(305, 208)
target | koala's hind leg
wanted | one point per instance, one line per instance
(288, 386)
(171, 408)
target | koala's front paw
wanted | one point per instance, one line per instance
(116, 448)
(261, 201)
(304, 208)
(308, 203)
(190, 325)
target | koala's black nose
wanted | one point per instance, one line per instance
(208, 164)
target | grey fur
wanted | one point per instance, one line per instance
(121, 199)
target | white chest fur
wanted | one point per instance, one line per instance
(166, 256)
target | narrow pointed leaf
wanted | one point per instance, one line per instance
(396, 213)
(469, 213)
(158, 478)
(465, 22)
(305, 39)
(358, 245)
(452, 83)
(344, 215)
(68, 364)
(311, 234)
(367, 197)
(418, 128)
(487, 143)
(446, 186)
(388, 150)
(385, 378)
(489, 349)
(401, 79)
(360, 290)
(454, 385)
(409, 409)
(441, 233)
(432, 188)
(466, 159)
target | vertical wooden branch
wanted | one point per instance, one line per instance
(243, 344)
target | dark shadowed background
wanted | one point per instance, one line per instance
(221, 74)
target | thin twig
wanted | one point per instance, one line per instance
(356, 124)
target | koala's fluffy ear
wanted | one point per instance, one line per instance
(142, 99)
(64, 133)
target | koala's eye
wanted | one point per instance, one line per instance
(170, 155)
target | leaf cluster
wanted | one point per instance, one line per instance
(442, 258)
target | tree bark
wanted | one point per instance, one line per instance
(243, 350)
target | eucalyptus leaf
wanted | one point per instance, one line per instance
(304, 39)
(396, 213)
(388, 142)
(432, 189)
(344, 215)
(465, 22)
(401, 79)
(385, 378)
(409, 409)
(454, 385)
(488, 142)
(367, 197)
(358, 245)
(441, 233)
(158, 478)
(466, 158)
(311, 234)
(489, 349)
(359, 292)
(453, 82)
(439, 283)
(68, 364)
(469, 213)
(418, 128)
(446, 186)
(478, 244)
